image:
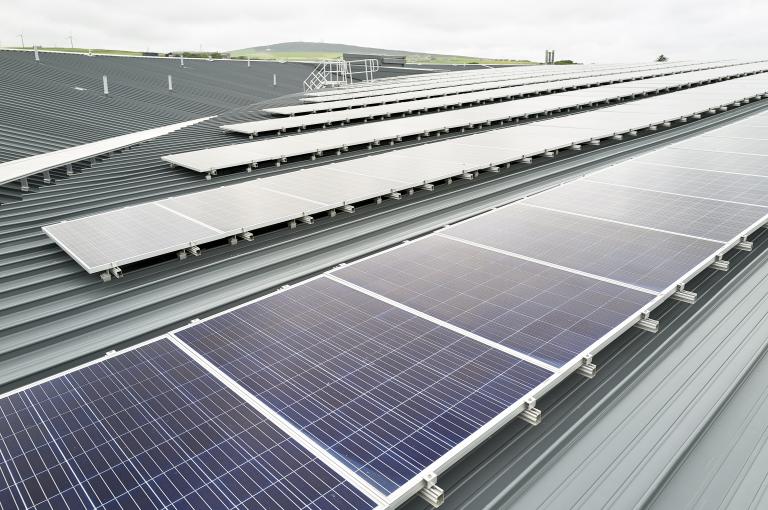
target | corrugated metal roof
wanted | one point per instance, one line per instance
(673, 419)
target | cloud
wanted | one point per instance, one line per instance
(585, 31)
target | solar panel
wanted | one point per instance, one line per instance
(637, 256)
(735, 145)
(462, 95)
(150, 428)
(547, 313)
(717, 220)
(217, 214)
(125, 235)
(747, 189)
(386, 392)
(686, 103)
(241, 207)
(709, 160)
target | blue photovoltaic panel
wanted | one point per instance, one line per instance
(713, 219)
(547, 313)
(638, 256)
(150, 429)
(386, 392)
(746, 189)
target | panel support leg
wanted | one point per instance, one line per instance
(431, 493)
(647, 324)
(587, 368)
(47, 177)
(720, 264)
(685, 296)
(530, 414)
(24, 184)
(70, 171)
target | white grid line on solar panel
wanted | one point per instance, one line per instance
(618, 222)
(416, 482)
(707, 219)
(207, 160)
(122, 453)
(274, 417)
(189, 218)
(553, 265)
(124, 443)
(447, 325)
(128, 249)
(747, 164)
(545, 312)
(733, 188)
(447, 91)
(637, 256)
(489, 81)
(302, 121)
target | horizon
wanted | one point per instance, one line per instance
(684, 30)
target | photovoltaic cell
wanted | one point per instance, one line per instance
(709, 160)
(746, 189)
(736, 145)
(637, 256)
(150, 428)
(712, 219)
(384, 391)
(546, 313)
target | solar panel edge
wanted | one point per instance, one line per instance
(265, 410)
(377, 501)
(405, 491)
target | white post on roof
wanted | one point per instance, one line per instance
(37, 56)
(274, 80)
(170, 83)
(106, 85)
(182, 60)
(249, 61)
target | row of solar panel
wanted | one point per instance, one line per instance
(377, 87)
(122, 236)
(461, 89)
(468, 75)
(278, 149)
(345, 391)
(443, 102)
(459, 79)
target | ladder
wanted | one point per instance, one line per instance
(339, 73)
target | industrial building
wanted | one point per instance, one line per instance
(240, 283)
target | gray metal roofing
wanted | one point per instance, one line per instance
(53, 315)
(42, 109)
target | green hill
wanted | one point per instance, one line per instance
(300, 50)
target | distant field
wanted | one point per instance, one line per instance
(307, 55)
(414, 59)
(97, 51)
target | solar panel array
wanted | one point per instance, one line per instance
(441, 94)
(443, 102)
(488, 78)
(353, 388)
(278, 149)
(119, 237)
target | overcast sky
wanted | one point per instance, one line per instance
(586, 31)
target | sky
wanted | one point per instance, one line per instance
(585, 31)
